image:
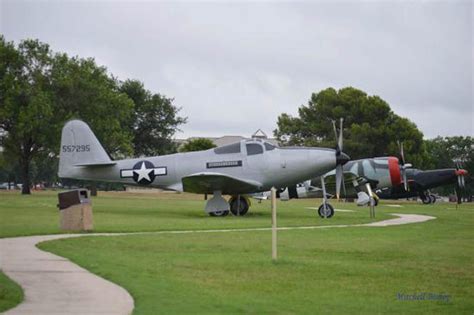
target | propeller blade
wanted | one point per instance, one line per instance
(338, 149)
(459, 181)
(463, 182)
(344, 187)
(405, 182)
(338, 180)
(402, 153)
(339, 143)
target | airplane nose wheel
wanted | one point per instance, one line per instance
(326, 212)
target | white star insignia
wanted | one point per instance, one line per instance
(143, 173)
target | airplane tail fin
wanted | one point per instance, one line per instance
(80, 147)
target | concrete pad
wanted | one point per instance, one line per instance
(402, 219)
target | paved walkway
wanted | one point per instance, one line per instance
(54, 285)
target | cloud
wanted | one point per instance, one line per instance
(234, 67)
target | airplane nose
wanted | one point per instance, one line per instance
(460, 172)
(342, 159)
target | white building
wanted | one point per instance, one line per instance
(220, 141)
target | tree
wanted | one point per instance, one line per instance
(370, 126)
(154, 121)
(84, 90)
(8, 170)
(40, 90)
(447, 152)
(198, 144)
(26, 108)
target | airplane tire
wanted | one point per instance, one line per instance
(330, 211)
(426, 200)
(432, 198)
(234, 204)
(219, 213)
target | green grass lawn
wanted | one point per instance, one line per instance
(10, 293)
(343, 270)
(125, 212)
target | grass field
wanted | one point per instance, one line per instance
(130, 212)
(347, 270)
(10, 293)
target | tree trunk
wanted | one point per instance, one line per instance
(25, 176)
(93, 189)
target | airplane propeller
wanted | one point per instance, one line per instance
(341, 157)
(461, 181)
(460, 173)
(403, 166)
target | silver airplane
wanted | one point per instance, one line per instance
(237, 169)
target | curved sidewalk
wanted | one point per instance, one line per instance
(54, 285)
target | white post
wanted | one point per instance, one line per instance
(274, 225)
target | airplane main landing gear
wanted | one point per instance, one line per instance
(326, 211)
(239, 205)
(427, 198)
(222, 213)
(217, 206)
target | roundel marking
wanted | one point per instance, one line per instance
(143, 172)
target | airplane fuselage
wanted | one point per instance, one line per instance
(257, 160)
(419, 182)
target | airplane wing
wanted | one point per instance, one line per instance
(330, 179)
(330, 183)
(207, 182)
(97, 164)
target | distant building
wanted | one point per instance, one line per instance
(220, 141)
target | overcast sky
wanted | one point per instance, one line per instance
(234, 67)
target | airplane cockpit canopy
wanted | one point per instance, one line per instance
(254, 146)
(228, 149)
(268, 146)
